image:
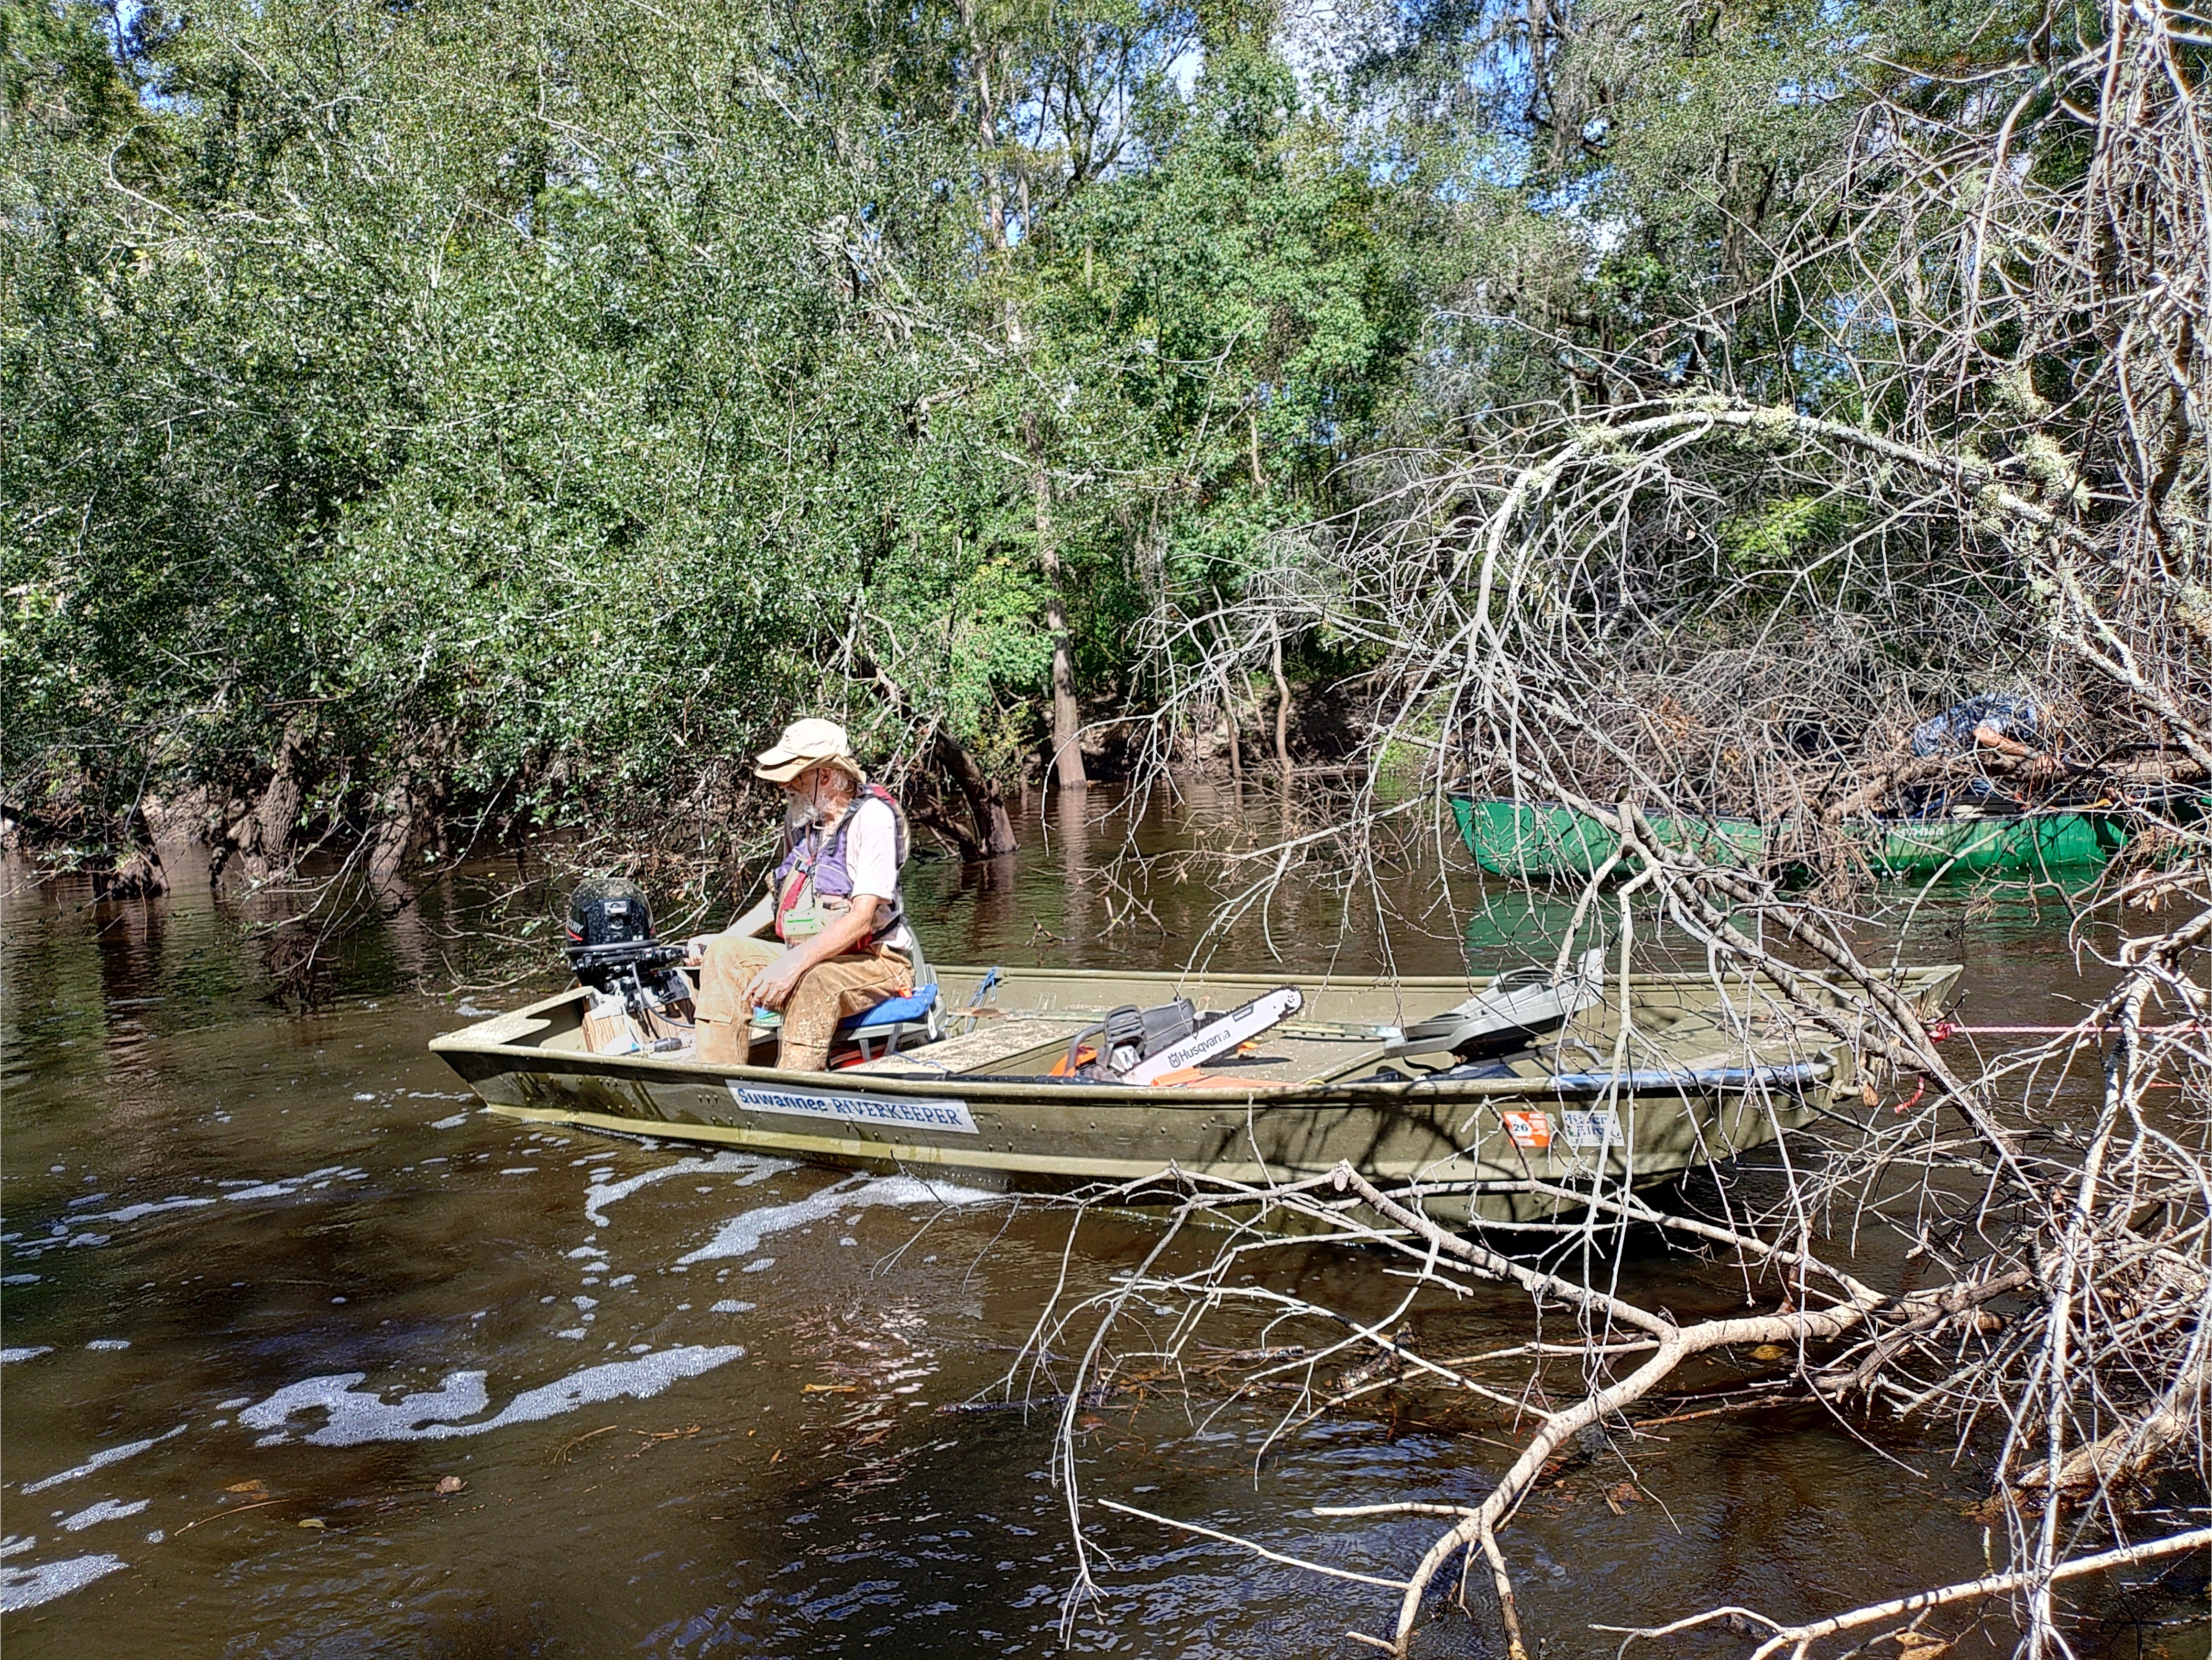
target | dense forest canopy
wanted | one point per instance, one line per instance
(500, 412)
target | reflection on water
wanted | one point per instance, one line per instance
(306, 1354)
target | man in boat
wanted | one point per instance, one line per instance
(841, 941)
(2003, 723)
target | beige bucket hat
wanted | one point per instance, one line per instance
(806, 743)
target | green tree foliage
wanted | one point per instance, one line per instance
(536, 403)
(558, 397)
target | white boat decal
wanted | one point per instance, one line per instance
(935, 1112)
(1592, 1130)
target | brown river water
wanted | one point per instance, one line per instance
(272, 1281)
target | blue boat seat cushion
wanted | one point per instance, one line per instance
(892, 1012)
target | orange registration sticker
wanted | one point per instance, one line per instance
(1529, 1129)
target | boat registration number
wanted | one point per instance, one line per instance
(1590, 1129)
(1529, 1129)
(936, 1113)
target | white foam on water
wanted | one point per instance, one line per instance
(286, 1187)
(18, 1280)
(7, 1356)
(109, 1343)
(149, 1207)
(357, 1416)
(58, 1241)
(748, 1167)
(758, 1265)
(744, 1234)
(107, 1510)
(454, 1122)
(13, 1545)
(26, 1588)
(102, 1460)
(731, 1305)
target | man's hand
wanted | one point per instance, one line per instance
(773, 986)
(2041, 768)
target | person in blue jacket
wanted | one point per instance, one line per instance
(2002, 723)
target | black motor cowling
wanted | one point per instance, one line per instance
(608, 911)
(611, 947)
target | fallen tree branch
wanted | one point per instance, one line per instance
(1798, 1639)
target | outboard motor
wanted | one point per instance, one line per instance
(612, 950)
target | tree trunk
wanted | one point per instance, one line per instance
(280, 803)
(994, 831)
(1067, 770)
(260, 834)
(412, 806)
(394, 835)
(135, 871)
(990, 208)
(1282, 704)
(1235, 744)
(995, 828)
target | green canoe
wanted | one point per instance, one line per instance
(1520, 838)
(2030, 844)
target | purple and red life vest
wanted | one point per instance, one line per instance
(815, 865)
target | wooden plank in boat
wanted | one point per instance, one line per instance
(991, 1044)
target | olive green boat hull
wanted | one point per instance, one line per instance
(1518, 838)
(1032, 1132)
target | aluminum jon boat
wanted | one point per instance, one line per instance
(1707, 1068)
